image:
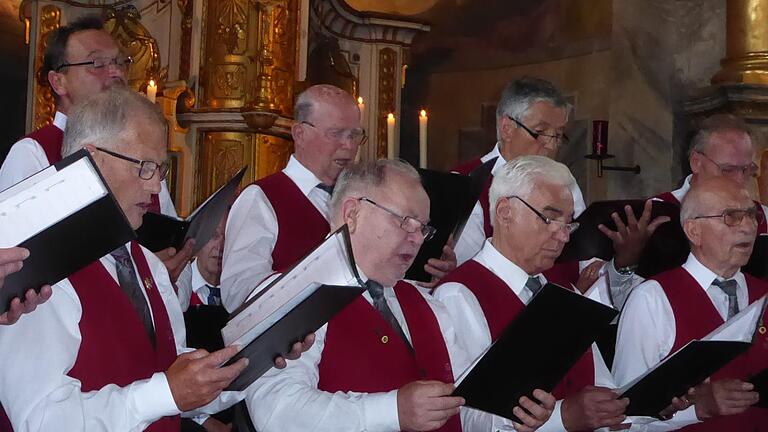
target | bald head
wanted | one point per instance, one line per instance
(720, 221)
(327, 132)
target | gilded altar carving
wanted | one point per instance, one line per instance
(125, 26)
(185, 60)
(224, 153)
(387, 88)
(45, 105)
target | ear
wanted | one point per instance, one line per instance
(297, 132)
(57, 82)
(692, 230)
(504, 212)
(507, 126)
(349, 213)
(694, 160)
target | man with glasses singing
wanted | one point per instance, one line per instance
(532, 219)
(107, 351)
(722, 147)
(667, 311)
(388, 361)
(530, 120)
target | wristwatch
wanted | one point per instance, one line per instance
(627, 270)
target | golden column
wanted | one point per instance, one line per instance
(746, 57)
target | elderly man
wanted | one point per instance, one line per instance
(107, 351)
(530, 120)
(280, 218)
(11, 261)
(532, 221)
(386, 362)
(688, 302)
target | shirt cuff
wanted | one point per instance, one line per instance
(381, 411)
(686, 416)
(153, 398)
(555, 422)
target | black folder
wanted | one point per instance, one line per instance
(451, 199)
(535, 351)
(323, 302)
(758, 261)
(204, 324)
(71, 243)
(158, 232)
(761, 386)
(688, 367)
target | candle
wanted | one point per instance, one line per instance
(361, 107)
(600, 137)
(423, 139)
(151, 91)
(390, 136)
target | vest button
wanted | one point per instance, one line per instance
(384, 339)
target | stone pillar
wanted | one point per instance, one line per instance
(746, 56)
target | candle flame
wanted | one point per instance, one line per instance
(151, 83)
(360, 100)
(391, 116)
(423, 113)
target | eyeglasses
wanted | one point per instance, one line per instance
(555, 139)
(407, 223)
(147, 168)
(729, 170)
(733, 217)
(99, 63)
(569, 227)
(355, 137)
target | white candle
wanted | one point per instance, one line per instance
(391, 136)
(151, 91)
(361, 106)
(423, 139)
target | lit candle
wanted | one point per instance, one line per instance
(390, 136)
(361, 106)
(423, 139)
(151, 91)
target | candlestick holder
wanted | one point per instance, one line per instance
(600, 150)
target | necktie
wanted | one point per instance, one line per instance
(533, 284)
(126, 278)
(729, 287)
(376, 290)
(326, 188)
(214, 295)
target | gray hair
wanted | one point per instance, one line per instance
(103, 118)
(519, 95)
(359, 178)
(714, 124)
(306, 101)
(521, 175)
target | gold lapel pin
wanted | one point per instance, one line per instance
(384, 339)
(148, 283)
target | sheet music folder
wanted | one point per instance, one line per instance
(761, 386)
(653, 391)
(451, 199)
(293, 305)
(536, 350)
(66, 216)
(159, 231)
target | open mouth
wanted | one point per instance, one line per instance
(342, 162)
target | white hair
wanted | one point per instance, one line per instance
(521, 175)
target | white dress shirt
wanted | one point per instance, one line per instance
(472, 328)
(251, 235)
(27, 157)
(198, 285)
(288, 400)
(647, 328)
(473, 238)
(38, 395)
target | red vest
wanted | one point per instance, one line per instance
(501, 305)
(363, 353)
(115, 348)
(51, 138)
(562, 273)
(762, 227)
(301, 226)
(695, 317)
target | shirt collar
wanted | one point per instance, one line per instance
(495, 153)
(506, 270)
(60, 120)
(198, 281)
(304, 178)
(704, 276)
(680, 193)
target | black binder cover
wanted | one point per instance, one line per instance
(452, 197)
(204, 324)
(158, 232)
(758, 261)
(589, 242)
(535, 351)
(761, 386)
(70, 244)
(688, 367)
(306, 318)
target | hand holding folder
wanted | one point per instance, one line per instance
(11, 261)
